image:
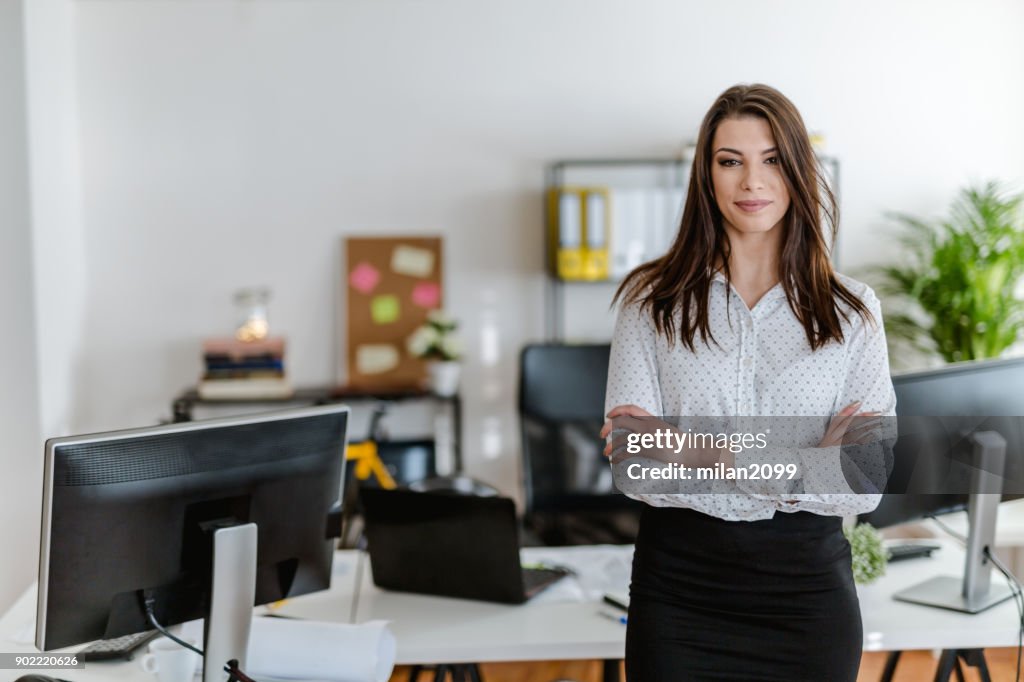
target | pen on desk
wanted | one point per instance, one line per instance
(615, 601)
(613, 616)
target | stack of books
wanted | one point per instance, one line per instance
(244, 370)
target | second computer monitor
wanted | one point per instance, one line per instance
(968, 396)
(128, 516)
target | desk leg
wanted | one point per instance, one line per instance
(610, 671)
(181, 411)
(976, 659)
(890, 666)
(946, 664)
(457, 433)
(950, 662)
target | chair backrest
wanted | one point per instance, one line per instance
(561, 409)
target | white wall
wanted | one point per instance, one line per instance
(231, 143)
(59, 244)
(20, 452)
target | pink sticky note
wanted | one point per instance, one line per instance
(364, 278)
(426, 295)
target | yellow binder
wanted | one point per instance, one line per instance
(565, 217)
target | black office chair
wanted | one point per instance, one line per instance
(570, 496)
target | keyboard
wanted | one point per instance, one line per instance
(118, 647)
(910, 550)
(536, 579)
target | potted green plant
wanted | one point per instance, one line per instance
(435, 341)
(957, 291)
(868, 554)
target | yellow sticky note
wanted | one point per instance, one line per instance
(412, 261)
(375, 358)
(384, 309)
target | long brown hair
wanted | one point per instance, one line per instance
(681, 279)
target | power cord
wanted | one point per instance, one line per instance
(1018, 599)
(149, 601)
(235, 673)
(1015, 587)
(956, 536)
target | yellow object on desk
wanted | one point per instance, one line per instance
(368, 462)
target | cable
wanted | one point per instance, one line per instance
(1018, 599)
(149, 601)
(959, 538)
(235, 673)
(1015, 586)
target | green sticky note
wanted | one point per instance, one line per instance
(384, 309)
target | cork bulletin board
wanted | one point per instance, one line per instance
(391, 284)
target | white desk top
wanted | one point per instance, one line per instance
(563, 622)
(892, 625)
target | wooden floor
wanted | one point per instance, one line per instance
(914, 666)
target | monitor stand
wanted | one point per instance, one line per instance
(974, 592)
(232, 594)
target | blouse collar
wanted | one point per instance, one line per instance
(776, 291)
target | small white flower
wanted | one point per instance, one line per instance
(440, 321)
(451, 347)
(422, 340)
(435, 339)
(438, 316)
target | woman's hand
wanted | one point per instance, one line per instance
(850, 427)
(627, 417)
(634, 419)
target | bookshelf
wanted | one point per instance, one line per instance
(636, 187)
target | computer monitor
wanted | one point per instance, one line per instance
(199, 519)
(960, 445)
(986, 394)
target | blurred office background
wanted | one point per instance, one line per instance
(157, 155)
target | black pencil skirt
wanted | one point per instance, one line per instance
(742, 600)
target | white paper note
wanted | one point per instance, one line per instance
(375, 358)
(412, 261)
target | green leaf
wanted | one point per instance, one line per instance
(961, 275)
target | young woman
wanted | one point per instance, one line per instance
(744, 316)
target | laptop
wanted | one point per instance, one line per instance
(449, 545)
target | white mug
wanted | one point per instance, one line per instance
(170, 661)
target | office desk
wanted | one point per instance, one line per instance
(563, 623)
(559, 624)
(17, 631)
(892, 625)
